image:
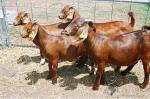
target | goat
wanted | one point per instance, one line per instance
(23, 18)
(69, 13)
(120, 49)
(53, 47)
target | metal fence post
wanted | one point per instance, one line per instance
(94, 10)
(46, 11)
(4, 26)
(78, 5)
(112, 9)
(147, 13)
(31, 8)
(17, 5)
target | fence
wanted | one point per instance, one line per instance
(46, 11)
(4, 37)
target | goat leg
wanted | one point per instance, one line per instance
(99, 74)
(117, 69)
(42, 62)
(50, 70)
(123, 73)
(81, 61)
(92, 68)
(54, 71)
(146, 73)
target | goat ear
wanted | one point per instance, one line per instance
(26, 14)
(34, 31)
(91, 25)
(23, 13)
(84, 32)
(34, 25)
(71, 13)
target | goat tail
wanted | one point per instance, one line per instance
(131, 14)
(146, 28)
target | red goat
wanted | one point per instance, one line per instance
(69, 13)
(53, 47)
(23, 18)
(120, 49)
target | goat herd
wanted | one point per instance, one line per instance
(75, 39)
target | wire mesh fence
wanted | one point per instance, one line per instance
(46, 12)
(4, 35)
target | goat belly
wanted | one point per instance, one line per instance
(123, 62)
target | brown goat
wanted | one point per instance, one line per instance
(23, 18)
(114, 27)
(120, 49)
(53, 47)
(68, 13)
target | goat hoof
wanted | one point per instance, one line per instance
(91, 73)
(117, 69)
(54, 82)
(48, 77)
(95, 88)
(42, 62)
(123, 73)
(142, 86)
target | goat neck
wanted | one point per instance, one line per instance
(41, 36)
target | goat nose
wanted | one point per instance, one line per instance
(14, 24)
(60, 17)
(64, 32)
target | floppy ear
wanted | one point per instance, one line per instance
(26, 14)
(71, 13)
(34, 31)
(23, 13)
(84, 32)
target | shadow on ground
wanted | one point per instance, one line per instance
(25, 59)
(70, 81)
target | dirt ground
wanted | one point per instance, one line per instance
(22, 77)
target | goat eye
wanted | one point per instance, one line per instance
(68, 12)
(22, 18)
(76, 26)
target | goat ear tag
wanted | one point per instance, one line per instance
(33, 33)
(83, 35)
(71, 13)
